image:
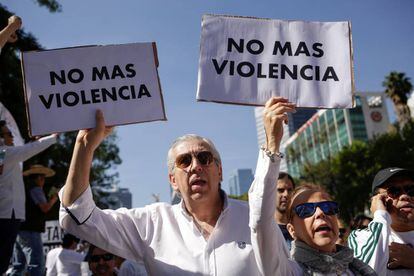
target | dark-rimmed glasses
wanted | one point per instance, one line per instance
(184, 160)
(106, 257)
(395, 191)
(8, 133)
(306, 210)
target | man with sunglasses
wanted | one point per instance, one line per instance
(12, 192)
(206, 234)
(101, 262)
(387, 244)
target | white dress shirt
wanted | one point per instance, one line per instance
(130, 268)
(64, 262)
(371, 244)
(165, 237)
(12, 194)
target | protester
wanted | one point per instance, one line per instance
(387, 244)
(207, 233)
(284, 189)
(12, 193)
(129, 268)
(8, 34)
(29, 239)
(343, 231)
(360, 221)
(313, 224)
(101, 262)
(65, 260)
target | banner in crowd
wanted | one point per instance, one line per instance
(65, 87)
(52, 237)
(248, 60)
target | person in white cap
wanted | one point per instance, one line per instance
(387, 243)
(29, 245)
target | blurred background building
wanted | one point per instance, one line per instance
(240, 181)
(313, 135)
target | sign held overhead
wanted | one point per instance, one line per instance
(248, 60)
(65, 87)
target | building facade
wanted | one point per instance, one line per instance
(329, 130)
(296, 120)
(240, 181)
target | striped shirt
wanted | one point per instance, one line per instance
(371, 244)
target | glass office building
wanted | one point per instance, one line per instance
(329, 130)
(240, 181)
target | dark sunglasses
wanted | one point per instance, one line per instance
(97, 258)
(184, 160)
(306, 210)
(395, 192)
(7, 133)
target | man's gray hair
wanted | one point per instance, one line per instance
(189, 137)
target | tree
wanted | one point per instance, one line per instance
(398, 87)
(11, 95)
(348, 175)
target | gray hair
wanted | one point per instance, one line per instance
(189, 137)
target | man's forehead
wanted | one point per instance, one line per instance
(399, 180)
(98, 251)
(193, 145)
(284, 183)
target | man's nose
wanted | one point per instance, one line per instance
(195, 164)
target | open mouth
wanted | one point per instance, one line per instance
(197, 184)
(406, 208)
(323, 229)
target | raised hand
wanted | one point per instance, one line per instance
(275, 113)
(92, 138)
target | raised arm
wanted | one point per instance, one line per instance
(269, 246)
(370, 245)
(86, 143)
(122, 232)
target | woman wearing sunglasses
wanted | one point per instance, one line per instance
(313, 223)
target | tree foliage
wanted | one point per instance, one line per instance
(348, 175)
(398, 87)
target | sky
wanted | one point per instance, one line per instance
(383, 41)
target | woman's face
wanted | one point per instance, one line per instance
(319, 231)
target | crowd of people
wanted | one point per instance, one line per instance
(284, 228)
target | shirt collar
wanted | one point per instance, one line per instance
(223, 195)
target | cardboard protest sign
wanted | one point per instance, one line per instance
(52, 236)
(65, 87)
(248, 60)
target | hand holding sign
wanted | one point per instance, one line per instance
(92, 138)
(274, 114)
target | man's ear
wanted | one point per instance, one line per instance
(173, 183)
(220, 173)
(291, 230)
